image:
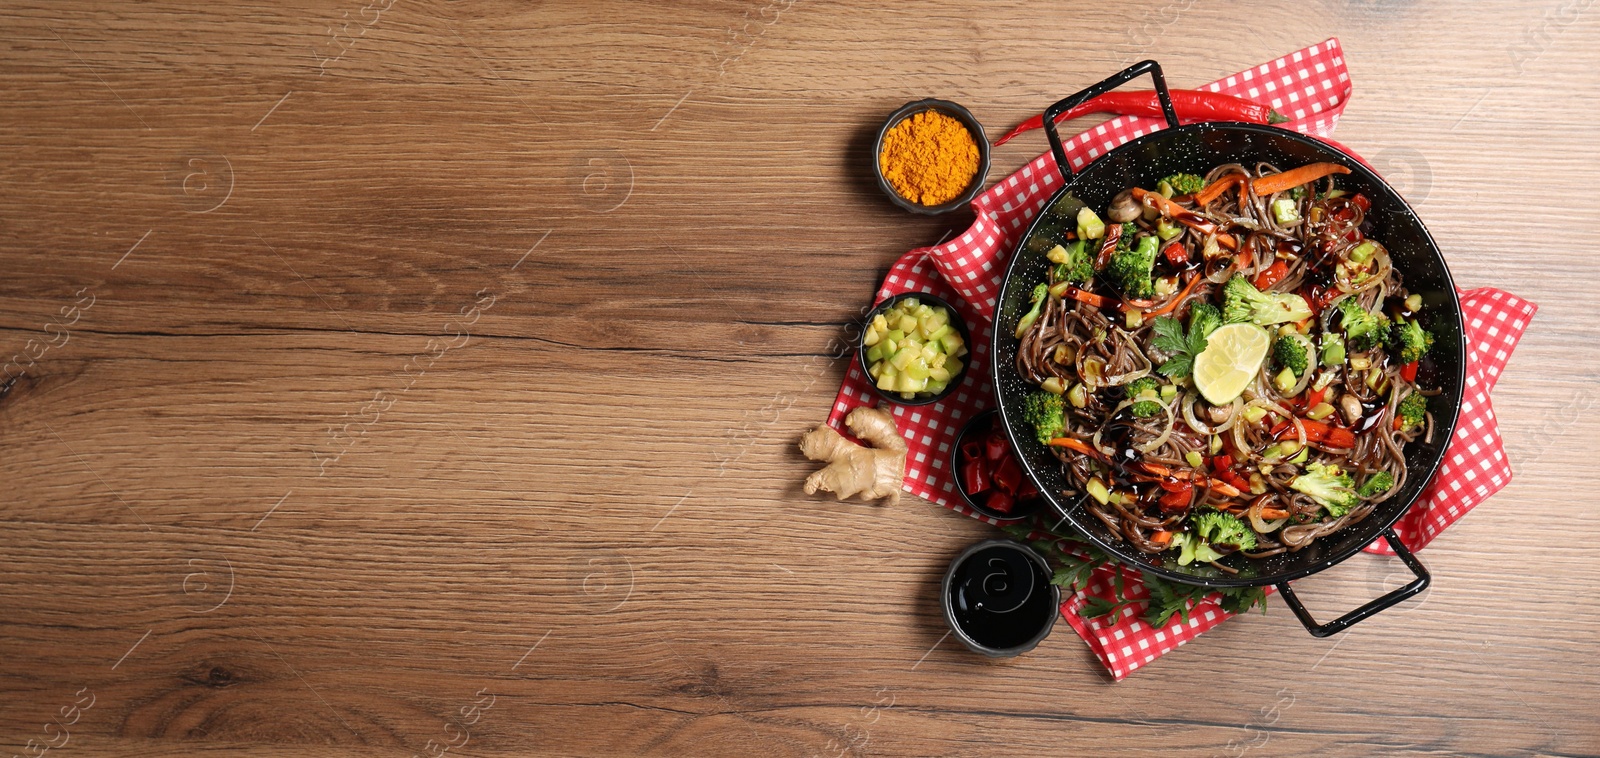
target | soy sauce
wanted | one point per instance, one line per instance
(1001, 598)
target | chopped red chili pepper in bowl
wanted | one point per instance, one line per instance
(988, 474)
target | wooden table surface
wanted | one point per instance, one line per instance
(420, 376)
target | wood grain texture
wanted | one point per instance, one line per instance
(438, 378)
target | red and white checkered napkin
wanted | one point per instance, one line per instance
(1311, 86)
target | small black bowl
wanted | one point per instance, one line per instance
(956, 112)
(955, 320)
(981, 424)
(998, 599)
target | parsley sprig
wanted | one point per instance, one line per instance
(1074, 566)
(1170, 338)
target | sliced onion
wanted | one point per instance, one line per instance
(1160, 440)
(1263, 527)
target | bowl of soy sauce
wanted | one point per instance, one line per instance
(998, 599)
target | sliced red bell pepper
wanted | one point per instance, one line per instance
(1177, 500)
(1361, 202)
(1316, 431)
(1408, 372)
(1314, 397)
(1000, 501)
(1272, 275)
(1006, 475)
(974, 478)
(1176, 253)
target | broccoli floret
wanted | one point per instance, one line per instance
(1290, 353)
(1412, 410)
(1073, 263)
(1362, 330)
(1377, 484)
(1328, 485)
(1409, 341)
(1204, 318)
(1185, 184)
(1220, 528)
(1047, 414)
(1146, 394)
(1130, 267)
(1031, 316)
(1243, 302)
(1191, 548)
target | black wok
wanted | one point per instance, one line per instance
(1197, 148)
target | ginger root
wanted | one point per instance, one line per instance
(874, 473)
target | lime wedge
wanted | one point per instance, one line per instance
(1228, 365)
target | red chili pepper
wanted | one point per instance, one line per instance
(1221, 463)
(1001, 501)
(1006, 475)
(1408, 372)
(1272, 275)
(995, 446)
(972, 447)
(1176, 253)
(973, 476)
(1190, 105)
(1027, 491)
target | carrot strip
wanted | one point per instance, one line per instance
(1215, 189)
(1098, 301)
(1294, 177)
(1273, 514)
(1079, 446)
(1161, 538)
(1173, 303)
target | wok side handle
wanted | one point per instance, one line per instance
(1379, 604)
(1095, 90)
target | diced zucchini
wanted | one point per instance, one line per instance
(904, 356)
(938, 360)
(1078, 395)
(1167, 230)
(952, 343)
(1362, 252)
(935, 387)
(952, 365)
(905, 383)
(887, 377)
(939, 373)
(895, 334)
(939, 333)
(907, 324)
(872, 337)
(1285, 210)
(1090, 227)
(917, 369)
(880, 323)
(1097, 490)
(875, 353)
(1053, 385)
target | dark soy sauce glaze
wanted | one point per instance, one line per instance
(1001, 598)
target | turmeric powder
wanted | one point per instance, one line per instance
(929, 158)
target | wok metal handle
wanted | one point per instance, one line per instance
(1382, 603)
(1105, 85)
